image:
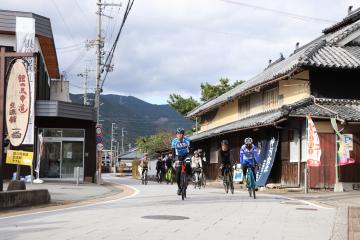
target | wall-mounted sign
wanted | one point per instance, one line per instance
(19, 157)
(348, 141)
(17, 103)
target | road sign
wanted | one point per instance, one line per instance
(98, 139)
(100, 147)
(99, 130)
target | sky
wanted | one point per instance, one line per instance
(172, 46)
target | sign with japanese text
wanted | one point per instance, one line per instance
(17, 103)
(25, 42)
(19, 157)
(313, 146)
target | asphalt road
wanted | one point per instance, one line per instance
(156, 212)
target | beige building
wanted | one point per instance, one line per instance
(317, 79)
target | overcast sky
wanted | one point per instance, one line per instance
(171, 46)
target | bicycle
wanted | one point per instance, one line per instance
(144, 178)
(203, 179)
(250, 182)
(228, 180)
(183, 177)
(199, 181)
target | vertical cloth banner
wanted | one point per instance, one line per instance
(25, 42)
(313, 146)
(344, 145)
(267, 155)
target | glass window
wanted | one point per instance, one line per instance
(73, 133)
(58, 132)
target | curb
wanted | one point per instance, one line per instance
(118, 191)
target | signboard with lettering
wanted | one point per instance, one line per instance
(19, 157)
(17, 103)
(25, 43)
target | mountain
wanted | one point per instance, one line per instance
(137, 117)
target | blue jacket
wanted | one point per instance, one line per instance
(249, 156)
(182, 148)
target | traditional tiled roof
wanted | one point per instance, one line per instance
(258, 120)
(352, 17)
(342, 109)
(325, 52)
(348, 110)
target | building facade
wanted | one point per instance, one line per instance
(62, 133)
(318, 79)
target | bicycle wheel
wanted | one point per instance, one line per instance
(183, 189)
(253, 187)
(203, 180)
(231, 184)
(146, 180)
(226, 182)
(249, 183)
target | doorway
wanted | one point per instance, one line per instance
(63, 153)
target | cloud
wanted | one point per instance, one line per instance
(171, 46)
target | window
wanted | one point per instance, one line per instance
(294, 139)
(271, 98)
(244, 107)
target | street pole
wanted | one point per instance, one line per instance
(122, 140)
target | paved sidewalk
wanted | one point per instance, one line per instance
(347, 204)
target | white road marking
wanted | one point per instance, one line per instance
(136, 192)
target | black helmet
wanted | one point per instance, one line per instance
(224, 141)
(248, 140)
(180, 130)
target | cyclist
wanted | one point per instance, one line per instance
(144, 164)
(248, 156)
(159, 169)
(196, 165)
(180, 150)
(169, 167)
(224, 156)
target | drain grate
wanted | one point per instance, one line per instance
(307, 209)
(165, 217)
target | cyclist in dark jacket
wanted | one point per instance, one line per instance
(224, 156)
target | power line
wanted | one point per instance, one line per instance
(63, 19)
(110, 56)
(283, 13)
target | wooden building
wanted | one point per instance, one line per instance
(319, 78)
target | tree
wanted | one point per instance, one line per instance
(155, 143)
(209, 91)
(182, 105)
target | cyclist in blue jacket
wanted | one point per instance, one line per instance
(248, 156)
(180, 148)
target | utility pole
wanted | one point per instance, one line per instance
(99, 46)
(113, 129)
(122, 140)
(85, 75)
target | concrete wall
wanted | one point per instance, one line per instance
(59, 91)
(23, 198)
